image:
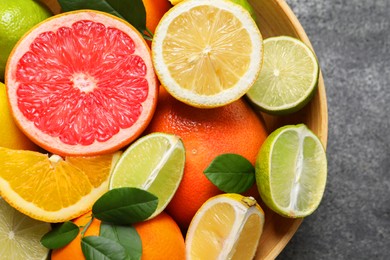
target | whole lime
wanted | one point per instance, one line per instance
(16, 18)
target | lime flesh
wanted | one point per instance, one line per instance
(154, 163)
(288, 78)
(291, 171)
(20, 235)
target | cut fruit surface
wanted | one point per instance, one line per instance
(291, 171)
(227, 226)
(207, 53)
(20, 235)
(82, 83)
(154, 163)
(289, 76)
(53, 189)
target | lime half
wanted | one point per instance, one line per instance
(288, 78)
(20, 235)
(154, 163)
(291, 170)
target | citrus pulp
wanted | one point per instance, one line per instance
(227, 226)
(53, 189)
(207, 53)
(82, 83)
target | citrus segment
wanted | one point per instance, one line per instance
(52, 189)
(291, 171)
(82, 83)
(227, 226)
(288, 78)
(154, 163)
(207, 53)
(20, 235)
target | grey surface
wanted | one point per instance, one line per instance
(352, 41)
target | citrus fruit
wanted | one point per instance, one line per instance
(207, 53)
(10, 134)
(155, 9)
(227, 226)
(291, 171)
(206, 133)
(53, 189)
(289, 76)
(243, 3)
(154, 163)
(82, 83)
(161, 239)
(16, 18)
(20, 235)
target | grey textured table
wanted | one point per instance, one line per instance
(352, 42)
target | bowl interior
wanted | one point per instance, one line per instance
(274, 17)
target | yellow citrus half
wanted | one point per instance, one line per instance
(53, 189)
(227, 226)
(207, 53)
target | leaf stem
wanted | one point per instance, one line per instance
(85, 228)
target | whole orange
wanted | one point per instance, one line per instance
(206, 133)
(161, 239)
(155, 9)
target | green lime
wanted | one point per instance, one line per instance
(16, 18)
(288, 78)
(154, 163)
(291, 170)
(20, 235)
(247, 6)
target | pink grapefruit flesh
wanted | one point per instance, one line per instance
(82, 83)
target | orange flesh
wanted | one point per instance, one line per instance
(82, 83)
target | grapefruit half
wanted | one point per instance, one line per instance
(82, 83)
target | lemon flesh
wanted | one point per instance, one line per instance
(154, 163)
(20, 235)
(291, 171)
(227, 226)
(288, 78)
(207, 53)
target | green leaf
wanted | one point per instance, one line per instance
(123, 206)
(101, 248)
(231, 173)
(127, 236)
(132, 11)
(60, 236)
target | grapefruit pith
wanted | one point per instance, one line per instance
(82, 83)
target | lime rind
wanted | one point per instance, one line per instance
(288, 78)
(154, 163)
(291, 171)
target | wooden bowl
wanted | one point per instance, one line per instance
(274, 17)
